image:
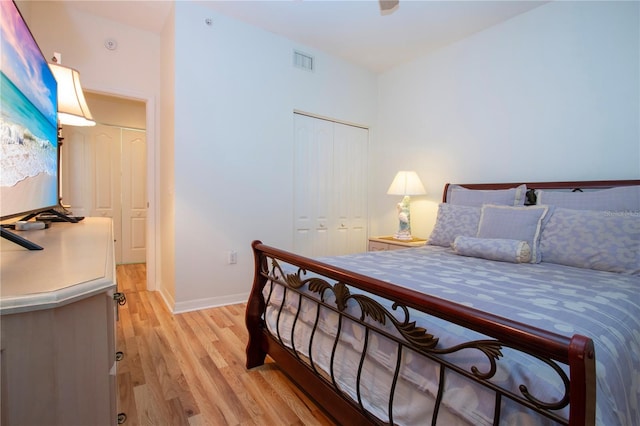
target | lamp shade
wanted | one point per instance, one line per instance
(72, 107)
(406, 183)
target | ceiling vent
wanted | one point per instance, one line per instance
(302, 60)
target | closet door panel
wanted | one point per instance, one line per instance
(312, 184)
(106, 179)
(350, 147)
(134, 196)
(76, 172)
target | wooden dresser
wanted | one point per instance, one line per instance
(57, 327)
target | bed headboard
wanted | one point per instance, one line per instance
(532, 186)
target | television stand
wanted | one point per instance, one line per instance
(53, 215)
(6, 234)
(58, 320)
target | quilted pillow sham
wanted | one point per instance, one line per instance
(620, 199)
(477, 197)
(501, 249)
(454, 220)
(601, 240)
(515, 223)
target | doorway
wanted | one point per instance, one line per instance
(104, 171)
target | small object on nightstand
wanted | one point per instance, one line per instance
(390, 243)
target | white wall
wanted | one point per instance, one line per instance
(165, 189)
(235, 93)
(552, 94)
(132, 67)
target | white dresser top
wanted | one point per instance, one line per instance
(77, 262)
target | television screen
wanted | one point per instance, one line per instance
(28, 121)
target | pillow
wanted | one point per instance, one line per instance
(477, 197)
(600, 240)
(514, 223)
(620, 199)
(501, 249)
(452, 221)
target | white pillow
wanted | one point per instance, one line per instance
(514, 223)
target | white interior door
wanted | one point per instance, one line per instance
(350, 188)
(106, 179)
(312, 184)
(134, 196)
(104, 174)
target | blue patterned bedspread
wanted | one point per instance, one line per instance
(601, 305)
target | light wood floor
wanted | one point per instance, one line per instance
(188, 369)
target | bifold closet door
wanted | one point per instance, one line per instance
(91, 176)
(134, 195)
(329, 187)
(104, 175)
(349, 189)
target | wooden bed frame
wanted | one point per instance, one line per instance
(576, 352)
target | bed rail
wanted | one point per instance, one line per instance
(576, 352)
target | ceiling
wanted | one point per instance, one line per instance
(354, 30)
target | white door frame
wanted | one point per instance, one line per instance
(153, 262)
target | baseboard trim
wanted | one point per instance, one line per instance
(210, 302)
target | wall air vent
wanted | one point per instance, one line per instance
(302, 60)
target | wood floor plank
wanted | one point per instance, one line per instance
(126, 395)
(188, 369)
(208, 339)
(268, 402)
(132, 362)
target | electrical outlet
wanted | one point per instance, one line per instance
(232, 257)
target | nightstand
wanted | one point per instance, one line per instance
(390, 243)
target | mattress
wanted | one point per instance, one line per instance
(601, 305)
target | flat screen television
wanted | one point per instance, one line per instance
(28, 121)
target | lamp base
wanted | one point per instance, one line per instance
(403, 235)
(404, 228)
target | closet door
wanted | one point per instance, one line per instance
(329, 187)
(349, 189)
(134, 196)
(313, 160)
(104, 174)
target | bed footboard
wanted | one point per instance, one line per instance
(330, 290)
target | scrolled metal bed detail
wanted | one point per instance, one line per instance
(413, 337)
(577, 353)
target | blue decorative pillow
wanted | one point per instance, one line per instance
(452, 221)
(602, 240)
(500, 249)
(620, 199)
(477, 197)
(514, 223)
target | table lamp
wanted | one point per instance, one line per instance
(406, 183)
(72, 107)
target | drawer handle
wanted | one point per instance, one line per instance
(120, 298)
